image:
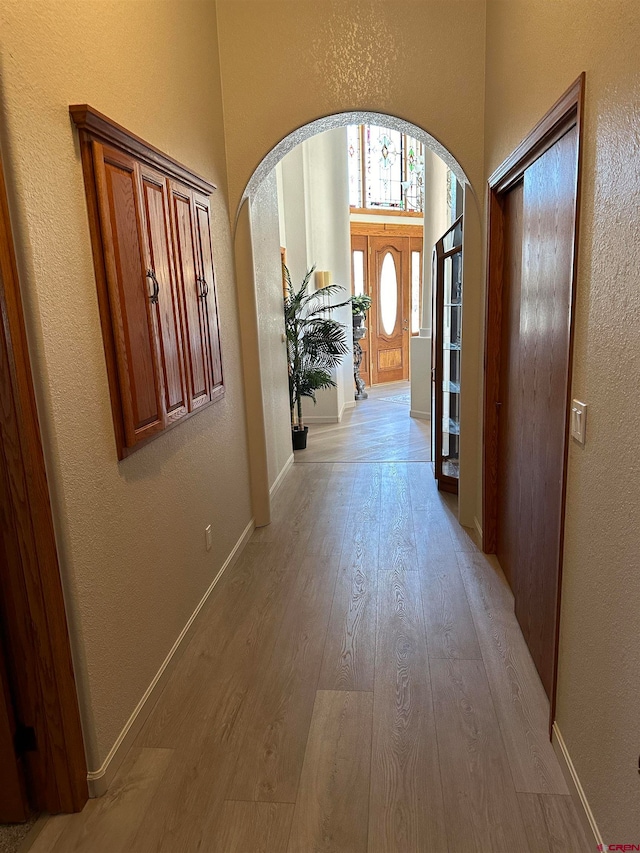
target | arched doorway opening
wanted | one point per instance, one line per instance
(267, 414)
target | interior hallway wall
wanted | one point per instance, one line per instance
(535, 50)
(422, 62)
(436, 220)
(131, 533)
(315, 207)
(273, 351)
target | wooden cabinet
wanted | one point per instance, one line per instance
(446, 355)
(151, 234)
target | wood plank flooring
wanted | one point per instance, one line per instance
(357, 683)
(378, 429)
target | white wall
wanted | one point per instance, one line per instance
(315, 208)
(265, 234)
(436, 220)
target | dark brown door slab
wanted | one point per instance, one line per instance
(533, 225)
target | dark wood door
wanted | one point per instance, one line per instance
(129, 293)
(13, 802)
(535, 359)
(193, 290)
(209, 312)
(164, 300)
(389, 316)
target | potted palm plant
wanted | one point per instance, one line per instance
(316, 343)
(359, 307)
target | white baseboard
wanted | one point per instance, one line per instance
(330, 419)
(575, 788)
(280, 478)
(416, 413)
(349, 404)
(478, 527)
(322, 419)
(99, 780)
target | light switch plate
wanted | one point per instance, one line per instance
(579, 421)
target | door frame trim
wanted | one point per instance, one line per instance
(566, 113)
(59, 760)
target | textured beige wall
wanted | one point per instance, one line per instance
(273, 352)
(287, 63)
(284, 64)
(535, 50)
(131, 534)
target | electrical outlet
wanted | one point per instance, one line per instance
(207, 536)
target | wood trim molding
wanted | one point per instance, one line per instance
(385, 229)
(97, 126)
(59, 760)
(561, 117)
(389, 211)
(493, 323)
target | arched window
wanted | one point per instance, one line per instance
(386, 169)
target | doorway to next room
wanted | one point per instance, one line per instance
(367, 204)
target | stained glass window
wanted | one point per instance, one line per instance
(383, 167)
(413, 180)
(386, 169)
(355, 165)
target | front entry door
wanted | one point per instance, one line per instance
(389, 316)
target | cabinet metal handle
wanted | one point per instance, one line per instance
(156, 287)
(204, 287)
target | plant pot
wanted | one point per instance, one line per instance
(299, 438)
(358, 320)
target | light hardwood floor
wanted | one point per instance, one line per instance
(357, 683)
(378, 429)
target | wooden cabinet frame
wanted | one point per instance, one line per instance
(169, 329)
(447, 482)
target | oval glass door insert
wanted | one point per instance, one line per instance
(388, 294)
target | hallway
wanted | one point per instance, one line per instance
(357, 682)
(378, 429)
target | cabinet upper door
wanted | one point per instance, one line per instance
(164, 299)
(193, 292)
(129, 295)
(209, 302)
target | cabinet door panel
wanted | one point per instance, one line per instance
(133, 330)
(209, 305)
(166, 315)
(196, 335)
